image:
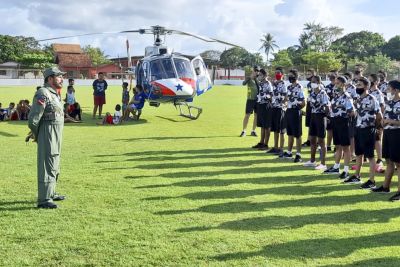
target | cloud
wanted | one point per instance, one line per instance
(238, 21)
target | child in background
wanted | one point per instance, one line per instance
(125, 96)
(70, 96)
(136, 104)
(112, 120)
(3, 113)
(12, 113)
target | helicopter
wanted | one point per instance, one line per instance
(166, 76)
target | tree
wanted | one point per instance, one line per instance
(211, 57)
(96, 55)
(268, 44)
(379, 62)
(282, 59)
(392, 48)
(12, 48)
(317, 37)
(36, 60)
(322, 62)
(359, 44)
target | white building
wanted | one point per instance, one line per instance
(9, 70)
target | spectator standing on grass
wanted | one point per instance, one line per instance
(99, 94)
(251, 103)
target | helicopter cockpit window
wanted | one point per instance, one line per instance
(161, 69)
(183, 68)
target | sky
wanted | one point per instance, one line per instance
(237, 21)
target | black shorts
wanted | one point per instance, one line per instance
(278, 124)
(340, 131)
(264, 116)
(352, 126)
(391, 145)
(294, 122)
(318, 125)
(364, 142)
(308, 114)
(251, 105)
(329, 123)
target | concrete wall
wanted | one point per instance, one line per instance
(37, 82)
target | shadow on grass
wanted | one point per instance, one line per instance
(190, 151)
(276, 170)
(206, 182)
(324, 247)
(197, 156)
(17, 205)
(5, 134)
(293, 222)
(89, 122)
(169, 138)
(234, 163)
(173, 120)
(381, 262)
(283, 190)
(249, 206)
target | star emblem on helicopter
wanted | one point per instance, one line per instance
(179, 87)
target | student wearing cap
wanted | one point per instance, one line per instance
(46, 121)
(369, 115)
(251, 103)
(391, 140)
(342, 109)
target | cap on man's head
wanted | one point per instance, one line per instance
(52, 71)
(256, 68)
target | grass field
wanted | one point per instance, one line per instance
(167, 191)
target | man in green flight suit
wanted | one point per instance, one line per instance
(46, 121)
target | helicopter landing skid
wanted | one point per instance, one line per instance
(190, 115)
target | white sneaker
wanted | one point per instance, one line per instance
(310, 164)
(321, 167)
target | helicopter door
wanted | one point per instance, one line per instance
(203, 83)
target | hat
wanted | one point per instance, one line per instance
(256, 68)
(52, 71)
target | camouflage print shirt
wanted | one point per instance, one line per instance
(383, 86)
(392, 112)
(319, 101)
(295, 96)
(280, 93)
(341, 105)
(330, 90)
(367, 107)
(265, 93)
(351, 90)
(379, 96)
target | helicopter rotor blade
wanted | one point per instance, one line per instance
(203, 38)
(86, 34)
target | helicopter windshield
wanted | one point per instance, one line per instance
(183, 68)
(161, 69)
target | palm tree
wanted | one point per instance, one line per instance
(268, 44)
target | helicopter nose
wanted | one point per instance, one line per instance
(171, 87)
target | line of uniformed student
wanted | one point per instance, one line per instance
(360, 115)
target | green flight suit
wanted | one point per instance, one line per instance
(46, 121)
